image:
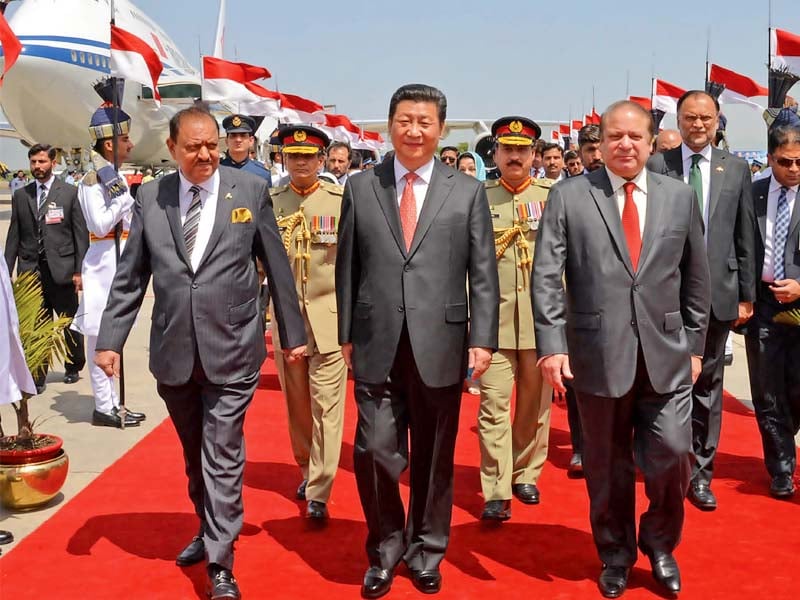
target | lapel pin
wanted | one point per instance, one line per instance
(228, 196)
(720, 169)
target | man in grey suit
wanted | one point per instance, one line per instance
(47, 235)
(417, 295)
(722, 184)
(621, 300)
(198, 232)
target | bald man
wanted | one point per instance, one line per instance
(668, 139)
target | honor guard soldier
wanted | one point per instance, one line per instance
(106, 201)
(512, 455)
(240, 137)
(307, 210)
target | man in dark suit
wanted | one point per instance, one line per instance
(773, 348)
(417, 295)
(198, 232)
(722, 184)
(630, 324)
(47, 235)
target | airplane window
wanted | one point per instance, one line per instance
(82, 56)
(74, 56)
(89, 59)
(180, 90)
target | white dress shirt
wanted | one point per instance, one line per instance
(421, 183)
(208, 210)
(705, 173)
(639, 194)
(768, 271)
(47, 185)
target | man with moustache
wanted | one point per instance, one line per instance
(417, 296)
(196, 232)
(573, 163)
(47, 235)
(589, 148)
(513, 454)
(723, 187)
(621, 301)
(307, 210)
(338, 161)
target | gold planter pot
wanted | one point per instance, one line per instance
(33, 484)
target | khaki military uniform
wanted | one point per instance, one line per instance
(314, 387)
(514, 453)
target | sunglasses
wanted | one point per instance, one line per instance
(787, 162)
(448, 159)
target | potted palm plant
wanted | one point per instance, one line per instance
(33, 466)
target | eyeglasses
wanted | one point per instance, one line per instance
(786, 163)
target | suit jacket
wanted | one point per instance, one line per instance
(607, 310)
(379, 284)
(212, 312)
(766, 305)
(730, 228)
(65, 242)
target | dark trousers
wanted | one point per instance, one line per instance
(386, 413)
(707, 401)
(654, 430)
(209, 420)
(773, 363)
(574, 420)
(61, 299)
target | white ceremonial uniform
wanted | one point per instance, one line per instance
(99, 266)
(15, 377)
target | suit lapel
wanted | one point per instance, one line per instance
(33, 201)
(169, 198)
(793, 224)
(655, 207)
(439, 188)
(606, 202)
(220, 220)
(386, 191)
(760, 206)
(715, 180)
(673, 159)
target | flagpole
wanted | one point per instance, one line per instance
(115, 101)
(708, 55)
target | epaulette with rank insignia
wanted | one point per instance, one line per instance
(331, 187)
(545, 183)
(278, 190)
(490, 183)
(90, 178)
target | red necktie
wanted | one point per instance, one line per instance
(630, 225)
(408, 209)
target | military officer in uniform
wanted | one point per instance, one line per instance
(307, 210)
(513, 454)
(239, 137)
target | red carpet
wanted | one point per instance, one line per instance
(119, 537)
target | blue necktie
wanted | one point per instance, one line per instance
(780, 235)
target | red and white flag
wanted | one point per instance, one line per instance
(666, 95)
(134, 59)
(11, 46)
(371, 140)
(563, 129)
(738, 88)
(784, 50)
(296, 109)
(232, 82)
(641, 101)
(576, 125)
(341, 128)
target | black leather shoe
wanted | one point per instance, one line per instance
(221, 584)
(701, 496)
(666, 572)
(427, 582)
(613, 581)
(6, 537)
(575, 468)
(71, 377)
(132, 414)
(782, 486)
(193, 553)
(527, 493)
(113, 420)
(377, 582)
(496, 510)
(316, 510)
(300, 494)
